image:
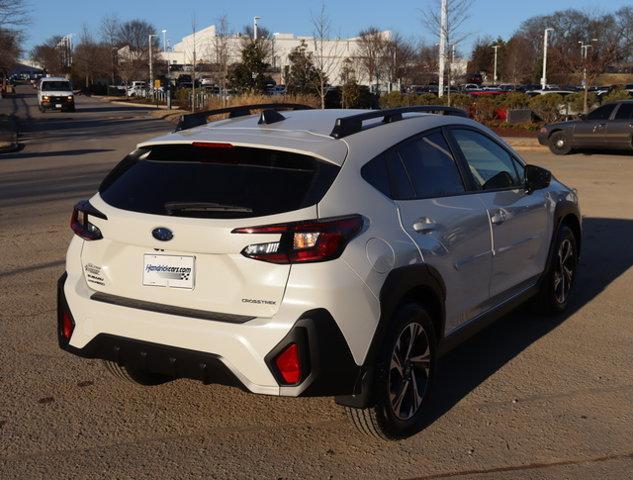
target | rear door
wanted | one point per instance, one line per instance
(520, 221)
(448, 224)
(171, 211)
(620, 128)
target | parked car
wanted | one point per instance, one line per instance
(55, 93)
(278, 90)
(470, 87)
(534, 93)
(608, 127)
(136, 88)
(314, 253)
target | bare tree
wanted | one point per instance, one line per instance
(326, 60)
(109, 31)
(451, 31)
(49, 56)
(13, 13)
(221, 53)
(399, 58)
(371, 52)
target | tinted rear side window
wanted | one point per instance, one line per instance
(202, 182)
(431, 166)
(375, 173)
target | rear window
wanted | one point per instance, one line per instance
(203, 182)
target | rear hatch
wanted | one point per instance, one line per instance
(171, 211)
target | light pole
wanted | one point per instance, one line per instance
(255, 27)
(442, 59)
(168, 86)
(544, 78)
(496, 47)
(584, 48)
(151, 67)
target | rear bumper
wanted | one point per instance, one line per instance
(328, 367)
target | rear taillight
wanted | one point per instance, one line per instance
(81, 224)
(304, 242)
(288, 364)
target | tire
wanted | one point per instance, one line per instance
(134, 375)
(559, 144)
(558, 281)
(398, 411)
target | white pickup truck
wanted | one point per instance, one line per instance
(55, 93)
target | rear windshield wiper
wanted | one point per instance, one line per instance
(173, 207)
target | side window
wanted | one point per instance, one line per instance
(602, 113)
(625, 112)
(375, 173)
(431, 167)
(491, 165)
(401, 185)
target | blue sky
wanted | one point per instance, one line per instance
(487, 17)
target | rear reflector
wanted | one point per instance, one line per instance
(289, 364)
(304, 242)
(67, 325)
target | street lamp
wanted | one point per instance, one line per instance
(496, 47)
(151, 68)
(255, 27)
(544, 78)
(584, 48)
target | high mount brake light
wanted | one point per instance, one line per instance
(212, 145)
(80, 221)
(304, 242)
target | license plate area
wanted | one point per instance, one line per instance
(172, 271)
(58, 105)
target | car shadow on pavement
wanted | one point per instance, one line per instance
(606, 254)
(57, 153)
(114, 108)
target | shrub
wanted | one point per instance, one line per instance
(484, 109)
(547, 106)
(616, 95)
(514, 100)
(429, 99)
(576, 101)
(463, 101)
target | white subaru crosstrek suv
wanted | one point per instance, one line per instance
(313, 252)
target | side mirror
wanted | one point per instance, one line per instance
(536, 178)
(582, 116)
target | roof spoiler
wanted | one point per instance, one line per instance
(192, 120)
(345, 126)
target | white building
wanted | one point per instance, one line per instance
(335, 51)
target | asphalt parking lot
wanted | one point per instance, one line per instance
(525, 399)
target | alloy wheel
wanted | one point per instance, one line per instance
(409, 371)
(564, 270)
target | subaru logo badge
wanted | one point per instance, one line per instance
(163, 234)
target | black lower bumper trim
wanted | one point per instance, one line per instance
(156, 358)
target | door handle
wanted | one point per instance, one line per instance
(425, 225)
(498, 217)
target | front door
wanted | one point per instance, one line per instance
(519, 221)
(448, 224)
(591, 131)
